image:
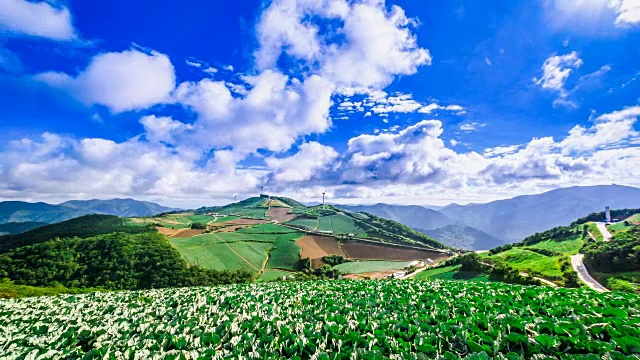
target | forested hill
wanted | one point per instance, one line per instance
(98, 252)
(81, 227)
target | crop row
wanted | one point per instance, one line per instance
(325, 320)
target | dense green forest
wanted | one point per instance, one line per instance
(81, 227)
(113, 261)
(619, 255)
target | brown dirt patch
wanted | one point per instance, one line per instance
(377, 275)
(363, 250)
(184, 233)
(167, 231)
(231, 228)
(280, 214)
(315, 247)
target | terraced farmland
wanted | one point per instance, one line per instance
(246, 248)
(326, 320)
(369, 250)
(340, 224)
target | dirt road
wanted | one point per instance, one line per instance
(583, 274)
(606, 235)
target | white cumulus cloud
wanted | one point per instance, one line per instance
(366, 48)
(38, 19)
(121, 81)
(311, 158)
(628, 12)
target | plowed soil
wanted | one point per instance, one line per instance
(187, 233)
(314, 246)
(167, 231)
(280, 214)
(231, 228)
(363, 250)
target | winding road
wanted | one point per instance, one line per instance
(583, 274)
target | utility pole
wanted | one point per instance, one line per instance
(261, 187)
(236, 198)
(323, 200)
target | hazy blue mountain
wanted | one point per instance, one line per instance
(20, 211)
(410, 215)
(464, 237)
(14, 228)
(514, 219)
(119, 207)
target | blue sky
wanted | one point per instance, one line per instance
(190, 103)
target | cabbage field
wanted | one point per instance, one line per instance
(325, 320)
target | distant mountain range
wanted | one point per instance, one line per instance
(13, 228)
(464, 237)
(414, 216)
(21, 212)
(508, 220)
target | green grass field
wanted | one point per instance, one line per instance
(621, 226)
(255, 253)
(201, 218)
(570, 246)
(359, 267)
(452, 273)
(216, 257)
(285, 253)
(265, 229)
(245, 249)
(270, 275)
(310, 224)
(340, 224)
(522, 259)
(252, 208)
(238, 236)
(437, 271)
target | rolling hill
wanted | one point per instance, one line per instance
(20, 211)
